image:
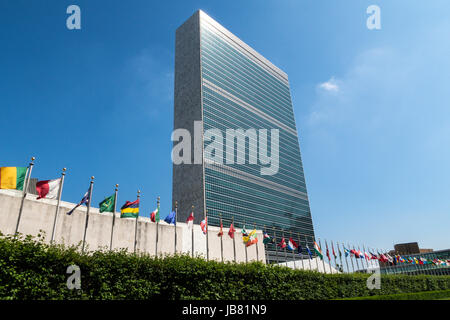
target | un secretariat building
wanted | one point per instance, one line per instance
(222, 85)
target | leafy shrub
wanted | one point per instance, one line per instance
(31, 269)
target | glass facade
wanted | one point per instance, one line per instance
(242, 90)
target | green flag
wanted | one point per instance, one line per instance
(107, 205)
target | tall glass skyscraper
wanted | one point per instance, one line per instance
(222, 85)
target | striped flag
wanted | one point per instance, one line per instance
(130, 209)
(252, 239)
(12, 177)
(317, 250)
(292, 245)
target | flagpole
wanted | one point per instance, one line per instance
(245, 247)
(136, 223)
(24, 194)
(362, 262)
(192, 233)
(328, 256)
(285, 252)
(157, 228)
(293, 251)
(176, 216)
(265, 247)
(221, 237)
(116, 190)
(257, 253)
(207, 238)
(350, 254)
(63, 174)
(335, 259)
(356, 259)
(306, 242)
(334, 256)
(234, 243)
(365, 257)
(276, 244)
(323, 260)
(91, 187)
(345, 257)
(300, 243)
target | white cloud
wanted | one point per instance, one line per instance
(330, 85)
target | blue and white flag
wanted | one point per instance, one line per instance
(85, 200)
(309, 252)
(171, 218)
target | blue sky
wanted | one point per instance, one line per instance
(371, 106)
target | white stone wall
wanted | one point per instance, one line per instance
(315, 264)
(39, 215)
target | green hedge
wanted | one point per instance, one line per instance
(30, 269)
(427, 295)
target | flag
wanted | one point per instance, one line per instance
(231, 231)
(332, 249)
(107, 205)
(204, 225)
(292, 245)
(282, 244)
(130, 209)
(366, 255)
(309, 251)
(85, 200)
(328, 252)
(190, 221)
(300, 249)
(171, 218)
(389, 258)
(317, 250)
(221, 229)
(252, 239)
(48, 189)
(347, 251)
(154, 216)
(244, 235)
(12, 177)
(267, 239)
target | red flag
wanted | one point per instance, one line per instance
(332, 248)
(328, 252)
(190, 220)
(221, 229)
(282, 244)
(231, 231)
(48, 189)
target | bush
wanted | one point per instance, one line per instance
(31, 269)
